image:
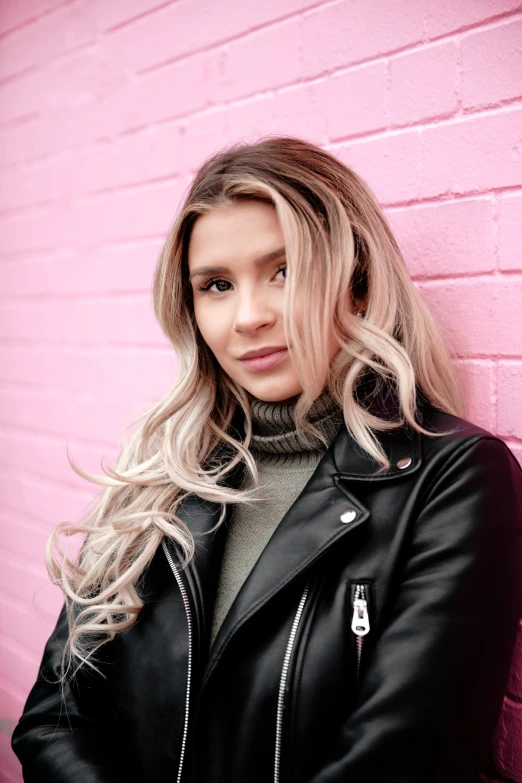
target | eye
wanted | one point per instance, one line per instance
(209, 283)
(280, 269)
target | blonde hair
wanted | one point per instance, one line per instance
(341, 256)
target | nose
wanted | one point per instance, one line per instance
(253, 312)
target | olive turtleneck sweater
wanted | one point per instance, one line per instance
(285, 462)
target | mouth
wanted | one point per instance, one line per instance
(266, 362)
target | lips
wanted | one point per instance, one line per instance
(262, 352)
(266, 362)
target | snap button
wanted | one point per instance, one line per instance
(348, 516)
(405, 462)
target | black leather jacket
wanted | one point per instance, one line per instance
(371, 642)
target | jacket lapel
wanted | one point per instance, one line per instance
(308, 529)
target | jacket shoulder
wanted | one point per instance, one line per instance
(454, 427)
(453, 434)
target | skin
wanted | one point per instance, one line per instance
(243, 309)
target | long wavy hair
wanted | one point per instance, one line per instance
(341, 257)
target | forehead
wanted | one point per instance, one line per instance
(246, 228)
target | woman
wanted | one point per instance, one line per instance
(304, 567)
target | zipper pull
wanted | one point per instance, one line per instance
(360, 619)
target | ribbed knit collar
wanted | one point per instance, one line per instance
(274, 430)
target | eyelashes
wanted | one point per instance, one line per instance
(207, 285)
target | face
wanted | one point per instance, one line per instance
(237, 273)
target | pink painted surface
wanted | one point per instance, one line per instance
(107, 109)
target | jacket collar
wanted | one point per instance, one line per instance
(401, 445)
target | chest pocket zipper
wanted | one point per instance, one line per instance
(360, 627)
(360, 620)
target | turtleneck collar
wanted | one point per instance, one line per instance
(274, 430)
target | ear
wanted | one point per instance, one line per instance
(359, 307)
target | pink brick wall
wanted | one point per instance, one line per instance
(106, 110)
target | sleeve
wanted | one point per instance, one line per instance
(69, 733)
(432, 688)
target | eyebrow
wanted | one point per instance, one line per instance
(219, 270)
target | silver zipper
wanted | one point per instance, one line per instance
(186, 604)
(282, 683)
(360, 621)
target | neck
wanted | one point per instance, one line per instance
(275, 431)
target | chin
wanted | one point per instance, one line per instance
(273, 390)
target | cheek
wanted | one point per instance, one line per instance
(212, 329)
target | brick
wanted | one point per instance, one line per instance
(477, 380)
(21, 665)
(169, 28)
(81, 78)
(509, 232)
(514, 686)
(123, 12)
(516, 448)
(9, 764)
(118, 267)
(390, 164)
(289, 110)
(496, 52)
(12, 701)
(445, 16)
(22, 97)
(64, 77)
(106, 374)
(20, 578)
(299, 111)
(453, 237)
(18, 54)
(11, 777)
(70, 416)
(127, 320)
(247, 120)
(508, 741)
(472, 154)
(152, 154)
(175, 91)
(340, 34)
(354, 101)
(51, 455)
(42, 183)
(182, 28)
(38, 498)
(423, 84)
(481, 317)
(204, 133)
(13, 144)
(508, 402)
(14, 14)
(142, 213)
(20, 537)
(48, 228)
(270, 57)
(28, 141)
(50, 35)
(84, 91)
(88, 99)
(25, 625)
